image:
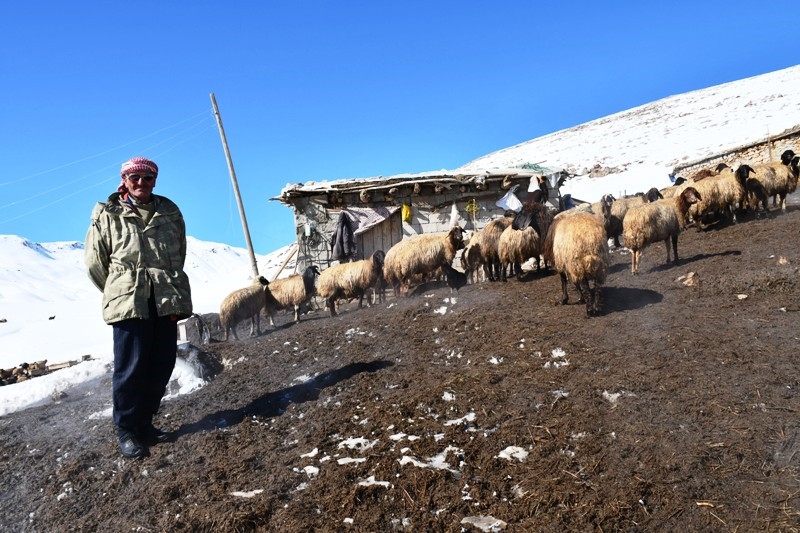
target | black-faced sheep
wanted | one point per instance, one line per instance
(294, 291)
(661, 220)
(722, 193)
(244, 303)
(515, 247)
(537, 216)
(773, 179)
(577, 247)
(419, 256)
(489, 238)
(620, 207)
(350, 280)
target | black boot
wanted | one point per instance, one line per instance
(151, 435)
(130, 445)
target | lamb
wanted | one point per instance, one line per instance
(294, 291)
(488, 242)
(661, 220)
(244, 303)
(515, 247)
(774, 179)
(472, 260)
(350, 280)
(420, 255)
(455, 278)
(577, 247)
(722, 193)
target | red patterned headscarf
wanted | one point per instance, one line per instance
(136, 165)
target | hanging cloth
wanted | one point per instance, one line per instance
(343, 242)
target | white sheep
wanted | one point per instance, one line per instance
(515, 247)
(577, 247)
(244, 303)
(350, 280)
(294, 291)
(662, 220)
(420, 255)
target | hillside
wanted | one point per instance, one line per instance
(675, 410)
(642, 145)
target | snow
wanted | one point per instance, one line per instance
(43, 280)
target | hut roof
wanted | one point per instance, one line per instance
(444, 178)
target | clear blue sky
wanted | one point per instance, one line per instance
(318, 90)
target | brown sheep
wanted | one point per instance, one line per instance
(515, 247)
(472, 260)
(577, 247)
(294, 291)
(489, 238)
(772, 179)
(662, 220)
(722, 193)
(350, 280)
(417, 256)
(244, 303)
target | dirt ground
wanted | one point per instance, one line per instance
(487, 410)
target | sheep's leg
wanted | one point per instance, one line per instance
(297, 313)
(666, 243)
(783, 202)
(634, 265)
(675, 248)
(564, 293)
(595, 293)
(332, 305)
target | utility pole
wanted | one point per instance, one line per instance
(235, 187)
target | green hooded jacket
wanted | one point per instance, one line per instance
(127, 259)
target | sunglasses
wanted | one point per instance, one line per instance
(145, 177)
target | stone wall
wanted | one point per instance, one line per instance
(766, 151)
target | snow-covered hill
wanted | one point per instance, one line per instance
(645, 143)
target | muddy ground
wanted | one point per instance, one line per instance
(676, 410)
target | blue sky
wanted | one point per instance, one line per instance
(310, 91)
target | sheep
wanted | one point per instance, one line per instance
(577, 247)
(515, 247)
(420, 255)
(661, 220)
(620, 207)
(775, 179)
(539, 217)
(350, 280)
(244, 303)
(723, 192)
(472, 261)
(455, 278)
(489, 239)
(294, 291)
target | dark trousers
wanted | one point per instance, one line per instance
(144, 357)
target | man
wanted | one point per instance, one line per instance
(135, 253)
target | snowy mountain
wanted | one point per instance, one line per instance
(642, 145)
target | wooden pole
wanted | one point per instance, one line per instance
(235, 187)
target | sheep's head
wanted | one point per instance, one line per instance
(378, 258)
(691, 195)
(721, 167)
(786, 157)
(456, 237)
(652, 195)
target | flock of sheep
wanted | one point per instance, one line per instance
(575, 243)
